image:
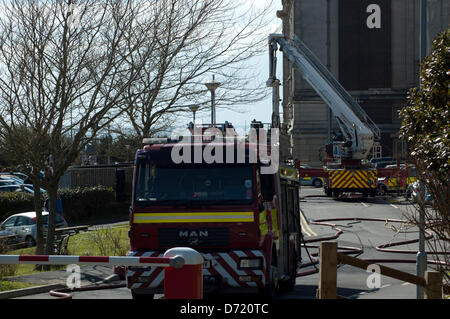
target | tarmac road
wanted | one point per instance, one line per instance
(367, 235)
(352, 282)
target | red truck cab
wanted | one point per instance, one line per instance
(226, 210)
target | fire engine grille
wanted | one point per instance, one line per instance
(169, 237)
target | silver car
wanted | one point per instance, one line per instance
(7, 182)
(23, 225)
(6, 233)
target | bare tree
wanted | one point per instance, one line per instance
(191, 41)
(29, 148)
(64, 69)
(68, 69)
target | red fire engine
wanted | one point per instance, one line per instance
(244, 223)
(345, 169)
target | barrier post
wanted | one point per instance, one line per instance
(185, 282)
(327, 270)
(433, 289)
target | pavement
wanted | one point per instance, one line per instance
(57, 279)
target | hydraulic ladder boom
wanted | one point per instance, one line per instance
(358, 129)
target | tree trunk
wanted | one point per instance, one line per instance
(39, 222)
(52, 193)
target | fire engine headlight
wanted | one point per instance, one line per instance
(250, 263)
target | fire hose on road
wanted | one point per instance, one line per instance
(65, 293)
(358, 251)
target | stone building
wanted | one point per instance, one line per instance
(373, 49)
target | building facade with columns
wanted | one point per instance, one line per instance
(373, 49)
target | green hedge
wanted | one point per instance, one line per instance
(13, 203)
(87, 203)
(79, 204)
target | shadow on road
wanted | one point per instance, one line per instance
(309, 292)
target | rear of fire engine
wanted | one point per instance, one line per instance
(244, 223)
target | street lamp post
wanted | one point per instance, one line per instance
(194, 108)
(212, 86)
(127, 147)
(421, 258)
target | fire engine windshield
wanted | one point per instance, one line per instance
(158, 185)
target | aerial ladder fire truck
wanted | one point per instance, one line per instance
(346, 168)
(240, 211)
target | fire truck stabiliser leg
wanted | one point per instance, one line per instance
(185, 282)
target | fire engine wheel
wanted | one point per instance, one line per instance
(290, 284)
(272, 288)
(381, 190)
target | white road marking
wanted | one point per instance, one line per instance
(405, 284)
(364, 204)
(393, 206)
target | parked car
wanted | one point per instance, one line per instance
(6, 182)
(7, 236)
(23, 225)
(20, 175)
(310, 180)
(385, 164)
(27, 188)
(414, 192)
(5, 232)
(381, 159)
(42, 191)
(17, 188)
(9, 176)
(393, 184)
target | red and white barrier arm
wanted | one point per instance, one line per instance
(175, 262)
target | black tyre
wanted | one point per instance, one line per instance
(272, 288)
(289, 285)
(317, 183)
(381, 190)
(29, 241)
(408, 193)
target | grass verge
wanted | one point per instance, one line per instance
(6, 285)
(104, 241)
